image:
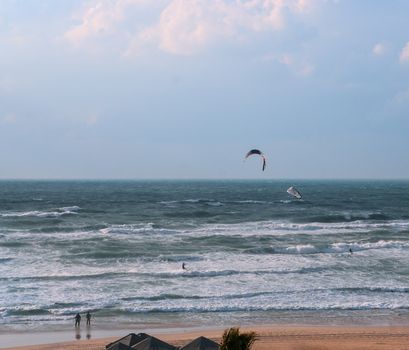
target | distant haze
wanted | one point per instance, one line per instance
(184, 88)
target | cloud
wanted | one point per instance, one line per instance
(294, 64)
(404, 55)
(378, 49)
(99, 18)
(188, 27)
(8, 119)
(298, 67)
(184, 27)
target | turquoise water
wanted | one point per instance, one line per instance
(116, 248)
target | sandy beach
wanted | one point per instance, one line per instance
(272, 337)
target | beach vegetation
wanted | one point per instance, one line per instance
(233, 339)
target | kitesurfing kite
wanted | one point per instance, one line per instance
(294, 192)
(256, 151)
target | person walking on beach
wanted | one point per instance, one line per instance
(88, 316)
(77, 320)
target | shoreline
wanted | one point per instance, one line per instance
(270, 336)
(22, 335)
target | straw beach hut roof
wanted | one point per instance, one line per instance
(201, 343)
(152, 343)
(119, 346)
(128, 340)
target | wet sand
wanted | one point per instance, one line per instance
(270, 337)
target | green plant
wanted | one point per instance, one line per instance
(234, 340)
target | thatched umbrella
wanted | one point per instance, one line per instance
(152, 343)
(129, 340)
(201, 343)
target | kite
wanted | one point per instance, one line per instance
(294, 192)
(258, 152)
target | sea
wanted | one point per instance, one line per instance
(251, 252)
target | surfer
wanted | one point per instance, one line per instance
(77, 320)
(183, 266)
(350, 251)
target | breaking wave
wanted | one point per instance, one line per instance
(73, 210)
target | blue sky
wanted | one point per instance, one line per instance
(184, 88)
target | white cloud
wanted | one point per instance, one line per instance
(378, 49)
(99, 18)
(297, 66)
(404, 55)
(8, 118)
(294, 64)
(185, 26)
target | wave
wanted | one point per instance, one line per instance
(67, 277)
(341, 247)
(250, 295)
(143, 228)
(373, 289)
(27, 312)
(291, 228)
(334, 299)
(346, 217)
(270, 228)
(71, 208)
(210, 202)
(180, 258)
(43, 214)
(66, 305)
(194, 214)
(108, 312)
(250, 201)
(226, 202)
(13, 244)
(182, 274)
(209, 308)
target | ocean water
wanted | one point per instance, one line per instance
(251, 252)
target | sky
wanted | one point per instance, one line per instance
(178, 89)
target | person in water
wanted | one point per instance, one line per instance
(183, 266)
(350, 251)
(88, 316)
(77, 320)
